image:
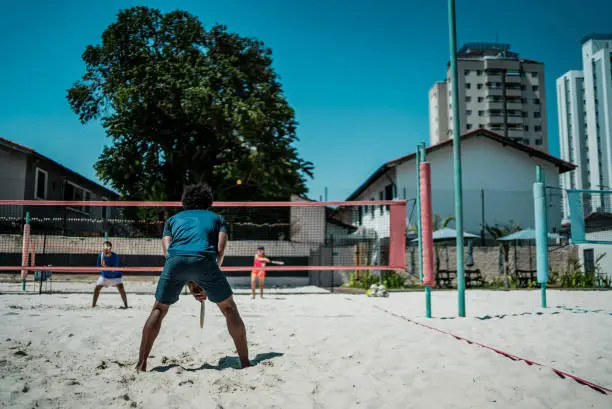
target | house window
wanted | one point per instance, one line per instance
(468, 126)
(380, 197)
(480, 99)
(526, 128)
(468, 86)
(479, 72)
(105, 209)
(589, 260)
(479, 86)
(481, 126)
(538, 142)
(40, 184)
(468, 112)
(480, 113)
(536, 101)
(372, 208)
(537, 128)
(468, 99)
(360, 215)
(535, 88)
(537, 115)
(404, 193)
(74, 192)
(534, 75)
(467, 72)
(388, 194)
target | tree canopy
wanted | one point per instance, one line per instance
(182, 104)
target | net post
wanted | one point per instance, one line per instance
(427, 301)
(25, 250)
(418, 205)
(539, 198)
(397, 235)
(427, 235)
(331, 262)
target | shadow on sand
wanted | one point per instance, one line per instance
(227, 362)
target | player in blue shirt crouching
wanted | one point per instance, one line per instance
(109, 278)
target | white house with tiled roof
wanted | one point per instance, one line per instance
(498, 177)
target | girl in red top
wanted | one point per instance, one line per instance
(260, 261)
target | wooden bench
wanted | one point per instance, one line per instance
(473, 278)
(524, 277)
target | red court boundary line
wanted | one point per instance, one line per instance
(560, 373)
(88, 270)
(102, 203)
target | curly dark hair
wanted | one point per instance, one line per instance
(196, 197)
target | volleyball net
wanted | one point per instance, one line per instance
(590, 216)
(301, 236)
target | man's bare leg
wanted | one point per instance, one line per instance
(261, 285)
(123, 295)
(253, 286)
(149, 333)
(235, 326)
(96, 294)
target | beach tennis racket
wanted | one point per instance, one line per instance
(202, 308)
(278, 263)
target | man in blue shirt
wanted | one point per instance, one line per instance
(109, 278)
(194, 243)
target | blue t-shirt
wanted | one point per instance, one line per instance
(110, 261)
(194, 233)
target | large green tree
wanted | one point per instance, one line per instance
(182, 104)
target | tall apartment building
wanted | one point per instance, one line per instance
(584, 104)
(498, 91)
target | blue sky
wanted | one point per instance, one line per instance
(357, 72)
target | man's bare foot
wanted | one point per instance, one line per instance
(141, 367)
(245, 363)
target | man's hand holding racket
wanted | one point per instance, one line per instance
(197, 291)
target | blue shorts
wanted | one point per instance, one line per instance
(179, 270)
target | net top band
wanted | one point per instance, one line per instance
(178, 204)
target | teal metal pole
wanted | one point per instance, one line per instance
(541, 227)
(457, 157)
(428, 301)
(105, 235)
(27, 221)
(418, 203)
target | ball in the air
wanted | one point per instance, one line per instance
(239, 182)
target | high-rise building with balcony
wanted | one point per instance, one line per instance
(498, 91)
(584, 104)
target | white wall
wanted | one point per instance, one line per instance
(599, 250)
(12, 175)
(375, 219)
(506, 175)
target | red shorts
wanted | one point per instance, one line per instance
(258, 273)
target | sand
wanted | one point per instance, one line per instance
(311, 349)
